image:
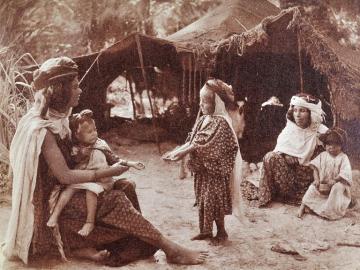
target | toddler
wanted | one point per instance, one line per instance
(89, 152)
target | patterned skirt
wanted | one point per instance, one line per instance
(213, 198)
(120, 226)
(279, 181)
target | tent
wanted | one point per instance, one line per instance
(285, 55)
(186, 57)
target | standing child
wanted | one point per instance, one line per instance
(215, 160)
(329, 195)
(89, 152)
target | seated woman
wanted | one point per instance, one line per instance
(40, 159)
(286, 174)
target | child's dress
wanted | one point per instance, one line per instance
(95, 159)
(334, 205)
(97, 156)
(212, 163)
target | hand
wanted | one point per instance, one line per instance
(291, 160)
(121, 168)
(136, 164)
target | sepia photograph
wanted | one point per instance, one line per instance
(180, 134)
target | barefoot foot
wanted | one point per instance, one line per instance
(86, 229)
(92, 254)
(202, 236)
(220, 238)
(187, 256)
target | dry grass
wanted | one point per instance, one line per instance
(13, 104)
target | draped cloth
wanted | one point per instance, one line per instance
(236, 175)
(299, 142)
(25, 150)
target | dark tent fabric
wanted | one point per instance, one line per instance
(264, 62)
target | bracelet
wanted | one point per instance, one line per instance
(124, 162)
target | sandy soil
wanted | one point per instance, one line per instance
(168, 203)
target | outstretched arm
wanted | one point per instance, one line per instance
(182, 151)
(56, 162)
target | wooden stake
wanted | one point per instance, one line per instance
(300, 62)
(129, 79)
(190, 84)
(137, 39)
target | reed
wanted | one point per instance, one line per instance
(15, 99)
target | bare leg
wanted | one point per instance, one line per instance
(221, 235)
(91, 205)
(301, 210)
(64, 198)
(182, 172)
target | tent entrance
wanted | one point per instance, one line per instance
(258, 76)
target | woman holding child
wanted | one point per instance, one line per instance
(40, 157)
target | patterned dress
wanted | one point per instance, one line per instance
(119, 227)
(212, 162)
(284, 182)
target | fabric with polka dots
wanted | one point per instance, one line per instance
(212, 162)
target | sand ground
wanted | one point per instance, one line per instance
(168, 203)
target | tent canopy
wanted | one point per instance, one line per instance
(232, 17)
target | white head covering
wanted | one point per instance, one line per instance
(317, 114)
(301, 142)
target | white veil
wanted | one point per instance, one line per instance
(236, 176)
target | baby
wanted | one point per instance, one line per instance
(89, 152)
(331, 167)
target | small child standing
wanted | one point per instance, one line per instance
(329, 195)
(88, 152)
(215, 161)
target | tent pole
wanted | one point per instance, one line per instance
(300, 62)
(194, 87)
(183, 94)
(128, 78)
(137, 39)
(189, 94)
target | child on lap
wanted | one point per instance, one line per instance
(89, 152)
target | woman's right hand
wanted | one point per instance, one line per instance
(120, 168)
(291, 160)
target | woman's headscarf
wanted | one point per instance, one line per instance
(313, 105)
(301, 142)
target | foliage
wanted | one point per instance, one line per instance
(337, 19)
(15, 96)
